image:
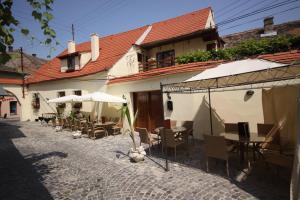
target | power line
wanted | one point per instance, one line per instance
(226, 6)
(256, 12)
(260, 18)
(251, 7)
(235, 7)
(102, 5)
(106, 13)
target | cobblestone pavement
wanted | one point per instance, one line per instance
(38, 163)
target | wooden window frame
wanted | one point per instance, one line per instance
(164, 55)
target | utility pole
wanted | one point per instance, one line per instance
(22, 63)
(22, 69)
(73, 34)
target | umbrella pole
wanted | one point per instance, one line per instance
(210, 116)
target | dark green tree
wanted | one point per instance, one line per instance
(41, 12)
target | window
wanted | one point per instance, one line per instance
(61, 94)
(13, 107)
(36, 101)
(77, 105)
(211, 46)
(165, 58)
(71, 62)
(77, 92)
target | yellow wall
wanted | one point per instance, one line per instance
(180, 48)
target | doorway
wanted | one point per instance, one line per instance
(150, 109)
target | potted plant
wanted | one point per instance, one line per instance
(136, 154)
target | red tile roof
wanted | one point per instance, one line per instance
(11, 81)
(284, 57)
(190, 67)
(178, 26)
(113, 47)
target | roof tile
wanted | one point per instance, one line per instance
(178, 26)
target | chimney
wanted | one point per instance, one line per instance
(268, 25)
(10, 48)
(34, 54)
(71, 46)
(94, 46)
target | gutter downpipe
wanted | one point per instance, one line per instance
(210, 116)
(165, 141)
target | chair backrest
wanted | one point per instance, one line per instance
(169, 138)
(215, 147)
(243, 130)
(270, 137)
(144, 135)
(60, 122)
(53, 120)
(264, 129)
(188, 125)
(231, 127)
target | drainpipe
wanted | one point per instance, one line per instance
(22, 68)
(165, 140)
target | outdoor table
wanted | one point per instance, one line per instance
(178, 131)
(254, 139)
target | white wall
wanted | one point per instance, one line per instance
(126, 65)
(18, 92)
(230, 106)
(210, 23)
(50, 89)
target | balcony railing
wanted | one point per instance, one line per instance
(153, 64)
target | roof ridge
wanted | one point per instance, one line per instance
(183, 15)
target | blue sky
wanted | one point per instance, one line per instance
(107, 17)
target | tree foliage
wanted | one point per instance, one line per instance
(41, 12)
(245, 49)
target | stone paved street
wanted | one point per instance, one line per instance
(38, 163)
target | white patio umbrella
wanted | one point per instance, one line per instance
(101, 97)
(65, 99)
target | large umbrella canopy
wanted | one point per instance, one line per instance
(65, 99)
(101, 97)
(242, 72)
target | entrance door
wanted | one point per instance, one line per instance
(150, 109)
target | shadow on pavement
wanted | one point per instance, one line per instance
(19, 178)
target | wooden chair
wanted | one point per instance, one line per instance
(71, 125)
(264, 129)
(215, 147)
(169, 140)
(116, 129)
(189, 128)
(271, 136)
(231, 128)
(79, 126)
(145, 137)
(65, 123)
(97, 130)
(53, 121)
(87, 129)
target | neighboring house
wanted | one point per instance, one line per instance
(30, 62)
(133, 64)
(269, 30)
(12, 79)
(10, 106)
